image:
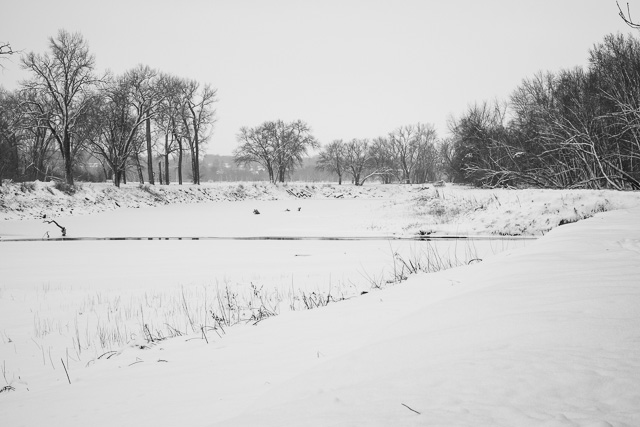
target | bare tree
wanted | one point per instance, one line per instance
(358, 160)
(146, 96)
(331, 159)
(118, 114)
(292, 142)
(64, 78)
(167, 120)
(278, 146)
(10, 123)
(256, 147)
(410, 146)
(37, 144)
(198, 117)
(383, 162)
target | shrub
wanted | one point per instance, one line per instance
(65, 188)
(152, 191)
(27, 187)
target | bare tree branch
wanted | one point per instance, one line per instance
(627, 18)
(5, 51)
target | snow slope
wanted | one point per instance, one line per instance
(547, 335)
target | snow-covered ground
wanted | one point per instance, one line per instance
(546, 332)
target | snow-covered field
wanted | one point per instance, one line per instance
(183, 332)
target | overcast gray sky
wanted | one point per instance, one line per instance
(350, 68)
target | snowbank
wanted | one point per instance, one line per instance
(36, 199)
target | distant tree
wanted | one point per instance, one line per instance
(412, 148)
(36, 142)
(358, 160)
(478, 138)
(448, 161)
(331, 159)
(278, 146)
(9, 136)
(292, 142)
(145, 97)
(118, 115)
(256, 147)
(64, 79)
(383, 162)
(197, 118)
(166, 121)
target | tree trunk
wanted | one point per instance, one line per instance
(68, 163)
(40, 173)
(139, 167)
(166, 159)
(179, 161)
(193, 165)
(196, 162)
(160, 172)
(194, 172)
(149, 154)
(14, 168)
(167, 178)
(270, 172)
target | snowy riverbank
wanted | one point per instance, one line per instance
(404, 209)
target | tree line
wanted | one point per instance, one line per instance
(407, 155)
(65, 115)
(575, 128)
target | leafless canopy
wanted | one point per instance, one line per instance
(278, 146)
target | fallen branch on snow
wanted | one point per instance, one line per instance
(62, 229)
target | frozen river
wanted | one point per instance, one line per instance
(301, 263)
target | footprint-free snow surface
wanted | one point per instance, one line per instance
(544, 335)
